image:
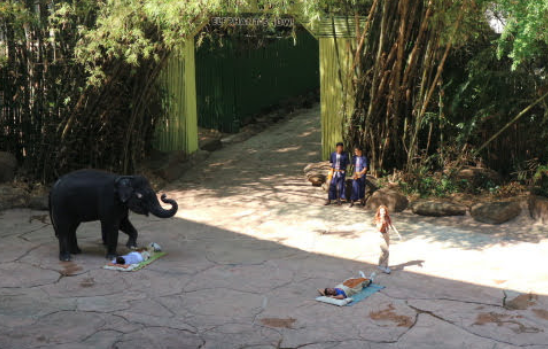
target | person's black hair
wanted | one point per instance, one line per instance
(120, 260)
(340, 144)
(358, 148)
(325, 291)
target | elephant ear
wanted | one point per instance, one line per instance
(124, 188)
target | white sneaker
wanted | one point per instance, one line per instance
(362, 274)
(385, 270)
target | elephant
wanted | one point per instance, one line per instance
(90, 195)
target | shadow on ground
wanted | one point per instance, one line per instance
(221, 289)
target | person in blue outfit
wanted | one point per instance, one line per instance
(339, 162)
(349, 287)
(358, 181)
(336, 293)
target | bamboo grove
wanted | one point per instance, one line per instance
(76, 93)
(52, 118)
(397, 70)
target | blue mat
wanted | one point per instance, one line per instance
(366, 292)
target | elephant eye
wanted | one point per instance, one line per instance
(139, 196)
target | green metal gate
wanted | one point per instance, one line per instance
(233, 83)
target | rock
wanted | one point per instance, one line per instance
(178, 163)
(479, 176)
(495, 212)
(325, 186)
(370, 185)
(317, 180)
(263, 119)
(395, 201)
(237, 137)
(158, 159)
(318, 166)
(8, 165)
(171, 172)
(438, 209)
(279, 115)
(39, 202)
(538, 208)
(198, 157)
(348, 188)
(211, 144)
(253, 129)
(316, 173)
(13, 197)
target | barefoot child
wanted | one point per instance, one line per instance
(384, 224)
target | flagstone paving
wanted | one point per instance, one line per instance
(249, 247)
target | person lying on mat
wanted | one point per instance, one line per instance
(132, 258)
(348, 288)
(336, 293)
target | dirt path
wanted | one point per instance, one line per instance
(257, 188)
(249, 246)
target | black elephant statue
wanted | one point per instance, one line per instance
(90, 195)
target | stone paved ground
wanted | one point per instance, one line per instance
(248, 248)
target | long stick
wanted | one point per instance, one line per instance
(523, 112)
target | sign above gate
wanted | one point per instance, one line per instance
(253, 21)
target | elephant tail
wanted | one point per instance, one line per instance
(50, 214)
(50, 208)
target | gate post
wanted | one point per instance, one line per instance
(337, 37)
(334, 67)
(191, 109)
(178, 131)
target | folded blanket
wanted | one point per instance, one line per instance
(329, 300)
(134, 267)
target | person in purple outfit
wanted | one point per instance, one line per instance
(339, 162)
(358, 181)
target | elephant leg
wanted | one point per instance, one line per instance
(63, 233)
(110, 232)
(73, 243)
(129, 229)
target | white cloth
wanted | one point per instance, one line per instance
(337, 166)
(132, 258)
(338, 162)
(334, 301)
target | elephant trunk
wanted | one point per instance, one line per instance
(157, 210)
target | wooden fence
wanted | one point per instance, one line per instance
(234, 82)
